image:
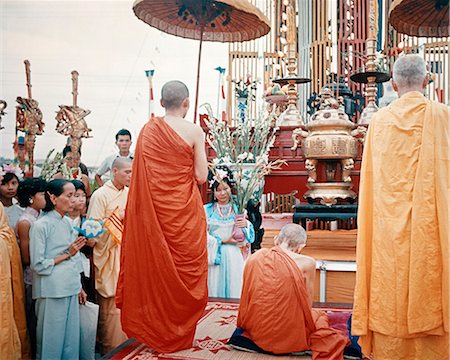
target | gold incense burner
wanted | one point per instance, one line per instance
(331, 139)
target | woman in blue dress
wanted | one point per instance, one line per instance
(56, 266)
(226, 255)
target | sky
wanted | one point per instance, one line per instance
(111, 49)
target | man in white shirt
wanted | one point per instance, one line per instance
(123, 142)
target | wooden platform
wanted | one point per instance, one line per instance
(335, 254)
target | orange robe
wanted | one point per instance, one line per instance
(16, 289)
(401, 294)
(162, 287)
(275, 309)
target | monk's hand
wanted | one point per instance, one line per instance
(241, 223)
(77, 245)
(82, 297)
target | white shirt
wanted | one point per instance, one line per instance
(106, 165)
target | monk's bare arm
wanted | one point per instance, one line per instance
(200, 161)
(310, 276)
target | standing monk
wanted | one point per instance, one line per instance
(110, 198)
(401, 296)
(162, 288)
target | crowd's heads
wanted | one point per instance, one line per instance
(220, 181)
(59, 196)
(123, 140)
(31, 192)
(80, 195)
(121, 171)
(9, 182)
(72, 160)
(409, 73)
(175, 95)
(291, 237)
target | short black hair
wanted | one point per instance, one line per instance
(79, 185)
(123, 132)
(8, 177)
(28, 188)
(68, 149)
(54, 187)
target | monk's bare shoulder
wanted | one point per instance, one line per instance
(307, 262)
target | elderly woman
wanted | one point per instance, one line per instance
(225, 252)
(56, 266)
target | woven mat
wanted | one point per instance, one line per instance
(213, 331)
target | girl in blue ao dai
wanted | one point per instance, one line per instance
(226, 255)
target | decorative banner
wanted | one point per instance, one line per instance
(221, 100)
(29, 121)
(149, 74)
(70, 122)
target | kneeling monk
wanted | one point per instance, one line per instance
(276, 301)
(162, 288)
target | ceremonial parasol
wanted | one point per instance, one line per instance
(204, 20)
(428, 18)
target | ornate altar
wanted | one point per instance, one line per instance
(329, 139)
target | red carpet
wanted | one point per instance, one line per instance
(213, 332)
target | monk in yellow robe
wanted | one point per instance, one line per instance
(276, 301)
(402, 293)
(162, 288)
(14, 342)
(110, 198)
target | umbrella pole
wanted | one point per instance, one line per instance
(198, 74)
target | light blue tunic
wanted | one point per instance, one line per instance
(55, 288)
(225, 261)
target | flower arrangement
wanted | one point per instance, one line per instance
(245, 143)
(57, 165)
(90, 228)
(245, 150)
(10, 168)
(245, 89)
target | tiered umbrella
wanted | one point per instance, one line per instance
(428, 18)
(204, 20)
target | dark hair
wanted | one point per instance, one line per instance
(123, 132)
(214, 184)
(79, 185)
(8, 177)
(68, 149)
(54, 187)
(28, 188)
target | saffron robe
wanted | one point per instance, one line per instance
(103, 203)
(162, 288)
(275, 309)
(12, 290)
(401, 295)
(9, 336)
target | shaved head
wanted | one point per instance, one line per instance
(291, 237)
(409, 71)
(173, 94)
(121, 162)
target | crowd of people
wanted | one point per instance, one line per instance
(165, 251)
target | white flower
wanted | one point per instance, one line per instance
(92, 228)
(250, 156)
(215, 161)
(222, 174)
(262, 159)
(226, 160)
(242, 156)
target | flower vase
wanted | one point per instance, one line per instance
(238, 234)
(242, 108)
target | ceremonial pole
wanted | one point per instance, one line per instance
(149, 74)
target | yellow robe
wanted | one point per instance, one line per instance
(14, 342)
(106, 252)
(104, 202)
(402, 293)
